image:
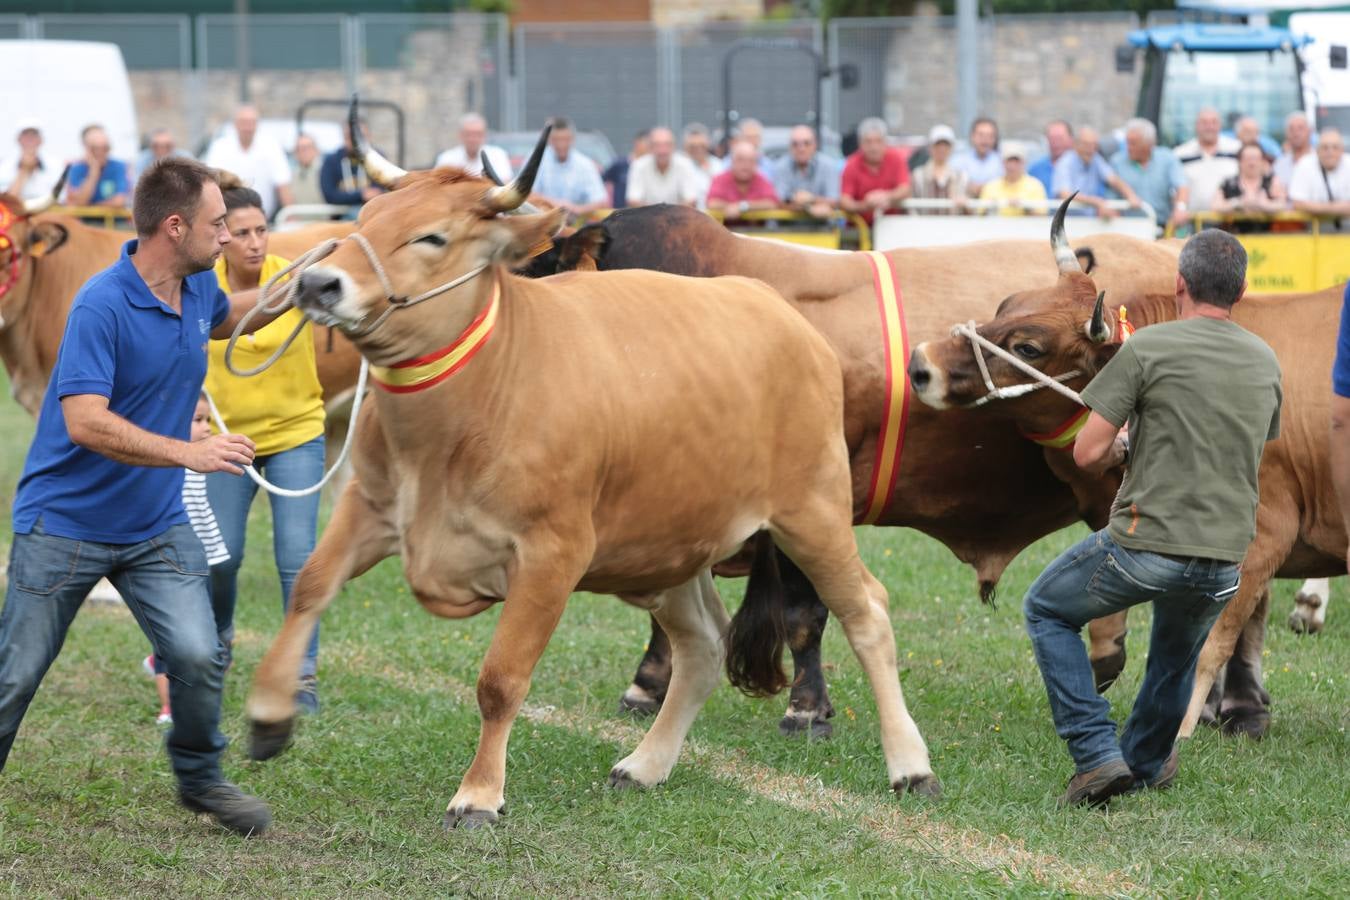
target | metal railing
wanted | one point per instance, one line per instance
(106, 216)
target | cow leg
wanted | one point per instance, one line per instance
(1310, 606)
(648, 690)
(534, 602)
(829, 558)
(809, 709)
(1106, 638)
(1245, 706)
(357, 537)
(695, 618)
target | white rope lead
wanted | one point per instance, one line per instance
(342, 457)
(284, 302)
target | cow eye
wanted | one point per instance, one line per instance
(435, 240)
(1027, 351)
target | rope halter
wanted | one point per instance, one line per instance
(291, 290)
(979, 343)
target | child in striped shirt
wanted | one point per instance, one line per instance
(208, 532)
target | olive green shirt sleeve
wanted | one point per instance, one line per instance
(1115, 391)
(1274, 431)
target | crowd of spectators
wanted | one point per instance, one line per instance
(1242, 171)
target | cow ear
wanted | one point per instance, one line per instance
(518, 238)
(582, 250)
(45, 237)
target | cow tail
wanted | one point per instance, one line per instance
(758, 631)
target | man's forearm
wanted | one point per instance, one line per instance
(240, 304)
(106, 433)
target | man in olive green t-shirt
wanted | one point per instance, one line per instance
(1199, 398)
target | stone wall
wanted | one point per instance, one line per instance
(442, 76)
(1032, 69)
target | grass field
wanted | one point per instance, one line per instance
(87, 802)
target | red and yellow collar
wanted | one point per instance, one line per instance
(427, 371)
(1065, 434)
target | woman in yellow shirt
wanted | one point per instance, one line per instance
(281, 409)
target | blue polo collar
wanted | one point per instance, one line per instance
(134, 287)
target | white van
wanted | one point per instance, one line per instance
(67, 85)
(1326, 78)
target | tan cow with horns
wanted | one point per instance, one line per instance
(607, 432)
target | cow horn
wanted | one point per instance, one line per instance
(1064, 255)
(42, 204)
(508, 197)
(490, 172)
(527, 209)
(1097, 330)
(381, 171)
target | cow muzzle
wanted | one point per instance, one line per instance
(928, 381)
(323, 296)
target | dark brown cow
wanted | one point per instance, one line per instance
(973, 483)
(1299, 529)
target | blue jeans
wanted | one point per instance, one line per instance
(163, 581)
(1097, 577)
(295, 521)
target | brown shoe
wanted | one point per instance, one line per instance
(1166, 775)
(1095, 786)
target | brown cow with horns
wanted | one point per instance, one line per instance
(1299, 533)
(582, 444)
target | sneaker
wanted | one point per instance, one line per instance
(307, 695)
(1095, 786)
(231, 807)
(165, 717)
(148, 665)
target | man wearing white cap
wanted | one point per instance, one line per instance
(1016, 193)
(26, 174)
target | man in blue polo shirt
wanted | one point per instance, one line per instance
(100, 495)
(1340, 420)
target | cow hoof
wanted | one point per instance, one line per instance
(1107, 669)
(813, 727)
(638, 706)
(469, 819)
(1301, 620)
(267, 739)
(919, 785)
(621, 780)
(1247, 721)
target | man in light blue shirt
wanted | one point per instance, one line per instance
(981, 161)
(805, 179)
(1152, 172)
(1059, 138)
(1085, 172)
(568, 177)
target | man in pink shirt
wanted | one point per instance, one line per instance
(742, 187)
